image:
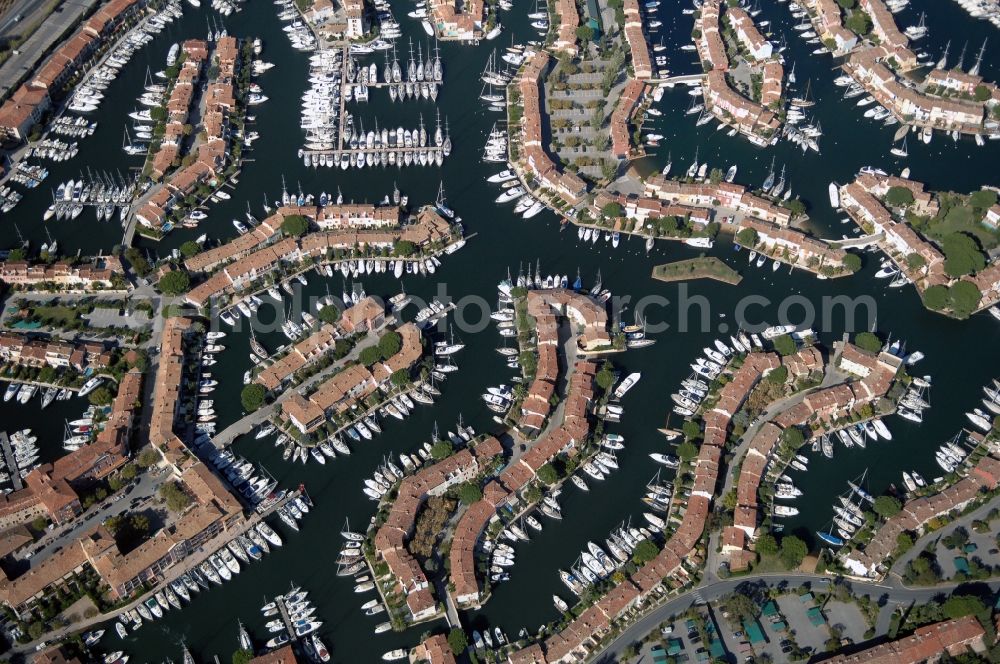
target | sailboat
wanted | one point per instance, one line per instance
(442, 207)
(780, 187)
(246, 643)
(900, 151)
(804, 101)
(769, 180)
(256, 347)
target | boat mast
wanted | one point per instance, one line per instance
(979, 59)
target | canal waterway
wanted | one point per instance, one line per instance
(961, 356)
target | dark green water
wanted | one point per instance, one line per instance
(961, 356)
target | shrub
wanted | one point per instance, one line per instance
(252, 397)
(899, 196)
(868, 341)
(295, 225)
(785, 345)
(469, 493)
(174, 282)
(329, 314)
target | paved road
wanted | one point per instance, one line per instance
(144, 488)
(38, 45)
(966, 520)
(248, 423)
(714, 591)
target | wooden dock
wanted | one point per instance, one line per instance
(10, 462)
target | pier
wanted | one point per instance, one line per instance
(10, 462)
(285, 618)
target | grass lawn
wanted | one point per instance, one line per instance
(60, 315)
(708, 267)
(962, 218)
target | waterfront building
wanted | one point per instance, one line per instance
(754, 119)
(458, 21)
(283, 655)
(515, 477)
(347, 387)
(796, 247)
(927, 644)
(98, 273)
(642, 65)
(434, 650)
(245, 261)
(35, 352)
(414, 490)
(628, 102)
(568, 20)
(27, 105)
(870, 562)
(748, 35)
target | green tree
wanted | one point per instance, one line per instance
(899, 196)
(793, 550)
(138, 262)
(687, 450)
(389, 344)
(981, 93)
(785, 345)
(148, 458)
(329, 314)
(100, 397)
(961, 255)
(458, 641)
(779, 375)
(859, 23)
(691, 429)
(793, 437)
(400, 377)
(852, 262)
(176, 498)
(441, 450)
(252, 397)
(128, 472)
(174, 282)
(983, 199)
(403, 248)
(369, 355)
(605, 378)
(294, 225)
(958, 606)
(796, 206)
(742, 606)
(547, 474)
(964, 298)
(904, 542)
(887, 506)
(36, 629)
(846, 4)
(915, 261)
(644, 551)
(612, 210)
(936, 297)
(767, 545)
(242, 656)
(190, 248)
(747, 237)
(585, 33)
(868, 341)
(469, 493)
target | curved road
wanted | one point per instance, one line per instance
(895, 592)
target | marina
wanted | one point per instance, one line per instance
(600, 514)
